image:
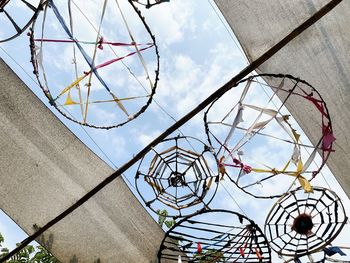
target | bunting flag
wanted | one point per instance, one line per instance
(199, 248)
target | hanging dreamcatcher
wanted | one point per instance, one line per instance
(96, 61)
(150, 3)
(259, 146)
(16, 16)
(215, 236)
(179, 175)
(303, 223)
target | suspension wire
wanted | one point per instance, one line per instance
(218, 93)
(20, 66)
(229, 31)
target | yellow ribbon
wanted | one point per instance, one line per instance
(302, 180)
(73, 84)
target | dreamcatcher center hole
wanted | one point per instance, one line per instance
(303, 224)
(177, 179)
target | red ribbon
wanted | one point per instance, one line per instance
(328, 138)
(199, 248)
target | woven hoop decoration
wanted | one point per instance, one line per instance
(258, 144)
(178, 175)
(303, 223)
(107, 77)
(215, 236)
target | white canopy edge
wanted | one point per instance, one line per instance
(320, 55)
(44, 168)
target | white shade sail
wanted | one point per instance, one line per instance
(44, 169)
(320, 55)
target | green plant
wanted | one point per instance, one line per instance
(29, 254)
(162, 219)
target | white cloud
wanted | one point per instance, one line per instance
(145, 139)
(171, 22)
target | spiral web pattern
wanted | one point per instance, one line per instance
(176, 178)
(302, 223)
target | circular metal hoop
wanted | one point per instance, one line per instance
(177, 176)
(215, 236)
(13, 21)
(96, 101)
(303, 223)
(257, 143)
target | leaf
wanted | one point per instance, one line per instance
(170, 223)
(162, 214)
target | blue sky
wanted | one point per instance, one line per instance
(198, 55)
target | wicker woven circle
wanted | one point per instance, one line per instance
(302, 223)
(179, 175)
(215, 236)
